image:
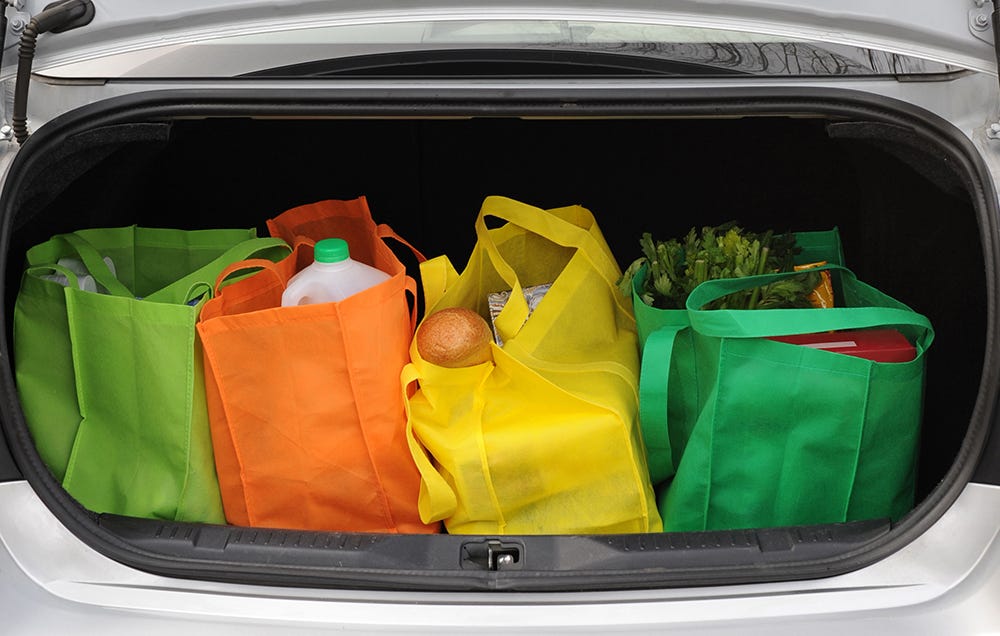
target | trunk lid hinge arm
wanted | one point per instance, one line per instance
(56, 17)
(981, 21)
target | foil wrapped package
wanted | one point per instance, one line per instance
(497, 301)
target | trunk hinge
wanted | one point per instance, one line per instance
(985, 23)
(980, 21)
(57, 18)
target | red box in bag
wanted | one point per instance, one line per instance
(878, 345)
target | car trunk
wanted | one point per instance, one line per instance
(901, 186)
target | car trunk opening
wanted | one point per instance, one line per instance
(908, 213)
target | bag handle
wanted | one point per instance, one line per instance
(654, 381)
(437, 500)
(102, 274)
(411, 289)
(758, 323)
(95, 264)
(70, 275)
(437, 276)
(383, 231)
(242, 266)
(547, 225)
(207, 273)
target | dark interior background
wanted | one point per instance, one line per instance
(914, 237)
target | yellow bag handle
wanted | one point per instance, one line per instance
(548, 225)
(436, 501)
(437, 276)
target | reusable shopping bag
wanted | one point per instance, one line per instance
(111, 383)
(788, 434)
(543, 439)
(668, 348)
(306, 413)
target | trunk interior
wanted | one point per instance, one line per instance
(908, 223)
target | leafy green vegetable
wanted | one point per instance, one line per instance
(676, 267)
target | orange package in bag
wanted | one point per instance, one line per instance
(306, 415)
(822, 296)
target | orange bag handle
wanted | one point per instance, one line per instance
(383, 231)
(411, 289)
(253, 263)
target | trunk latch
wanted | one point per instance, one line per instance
(491, 555)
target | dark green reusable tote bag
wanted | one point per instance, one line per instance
(788, 434)
(668, 348)
(111, 383)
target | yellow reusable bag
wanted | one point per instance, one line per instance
(544, 439)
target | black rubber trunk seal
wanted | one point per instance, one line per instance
(223, 553)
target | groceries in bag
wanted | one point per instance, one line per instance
(498, 300)
(659, 283)
(109, 383)
(754, 410)
(544, 439)
(674, 268)
(332, 277)
(878, 345)
(304, 402)
(79, 271)
(454, 337)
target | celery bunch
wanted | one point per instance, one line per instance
(676, 267)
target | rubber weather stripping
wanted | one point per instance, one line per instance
(996, 31)
(56, 17)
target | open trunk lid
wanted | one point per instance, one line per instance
(125, 37)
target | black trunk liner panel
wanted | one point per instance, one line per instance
(428, 177)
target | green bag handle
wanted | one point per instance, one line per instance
(39, 270)
(759, 323)
(195, 282)
(654, 376)
(204, 277)
(654, 383)
(95, 264)
(545, 224)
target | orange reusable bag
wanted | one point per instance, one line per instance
(307, 420)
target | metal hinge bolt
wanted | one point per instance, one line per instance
(982, 21)
(993, 132)
(6, 133)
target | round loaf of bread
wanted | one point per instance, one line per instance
(454, 337)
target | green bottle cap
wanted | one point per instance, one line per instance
(332, 250)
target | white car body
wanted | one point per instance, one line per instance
(944, 581)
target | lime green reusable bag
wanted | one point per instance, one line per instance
(788, 434)
(668, 347)
(111, 383)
